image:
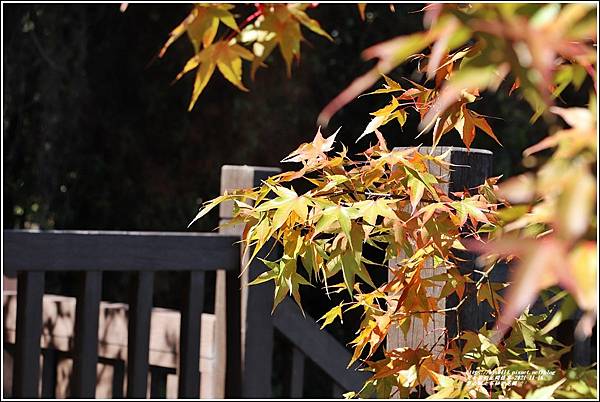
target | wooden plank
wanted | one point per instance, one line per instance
(297, 375)
(256, 328)
(257, 324)
(235, 177)
(319, 346)
(233, 336)
(472, 169)
(85, 356)
(189, 355)
(138, 334)
(26, 372)
(220, 334)
(418, 334)
(9, 282)
(117, 251)
(116, 378)
(256, 301)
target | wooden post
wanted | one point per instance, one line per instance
(26, 367)
(189, 338)
(138, 334)
(475, 167)
(256, 301)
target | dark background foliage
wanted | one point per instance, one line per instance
(96, 137)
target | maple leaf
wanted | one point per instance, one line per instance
(582, 134)
(287, 280)
(225, 56)
(331, 315)
(384, 116)
(470, 208)
(280, 25)
(312, 151)
(201, 25)
(298, 11)
(389, 86)
(390, 54)
(351, 256)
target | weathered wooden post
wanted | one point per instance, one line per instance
(256, 301)
(473, 168)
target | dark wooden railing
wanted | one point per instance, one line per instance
(91, 253)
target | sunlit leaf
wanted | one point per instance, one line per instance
(331, 315)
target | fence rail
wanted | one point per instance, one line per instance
(77, 250)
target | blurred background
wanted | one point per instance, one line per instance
(97, 136)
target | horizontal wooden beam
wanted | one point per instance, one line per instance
(118, 251)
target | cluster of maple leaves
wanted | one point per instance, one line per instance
(271, 26)
(542, 221)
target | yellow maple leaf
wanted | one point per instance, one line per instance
(279, 25)
(201, 25)
(225, 56)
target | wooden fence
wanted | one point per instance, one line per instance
(238, 337)
(32, 254)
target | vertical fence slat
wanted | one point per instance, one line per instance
(297, 377)
(30, 293)
(85, 358)
(118, 378)
(233, 335)
(50, 358)
(138, 335)
(189, 351)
